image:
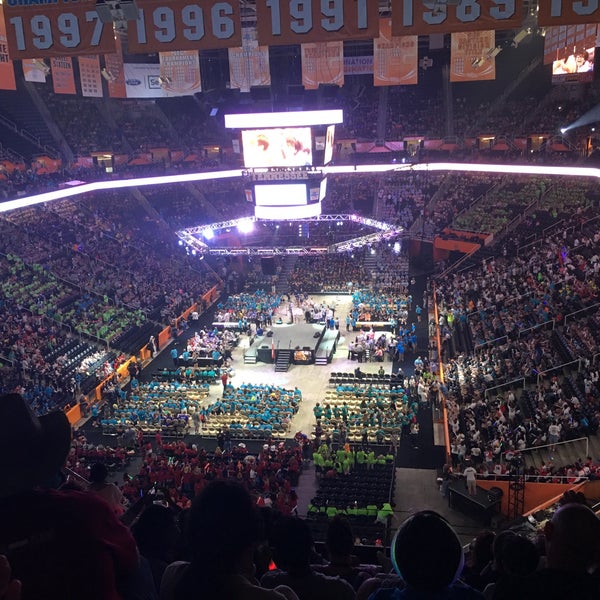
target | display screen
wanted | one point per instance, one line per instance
(281, 147)
(577, 67)
(329, 144)
(280, 194)
(284, 213)
(323, 189)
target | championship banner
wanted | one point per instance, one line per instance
(322, 63)
(395, 59)
(472, 56)
(180, 73)
(63, 78)
(50, 28)
(168, 25)
(249, 65)
(306, 21)
(90, 77)
(567, 12)
(114, 72)
(34, 70)
(7, 71)
(422, 17)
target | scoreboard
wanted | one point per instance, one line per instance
(283, 178)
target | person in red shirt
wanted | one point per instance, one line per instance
(60, 543)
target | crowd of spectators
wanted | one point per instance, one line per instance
(327, 273)
(401, 198)
(249, 307)
(82, 124)
(505, 307)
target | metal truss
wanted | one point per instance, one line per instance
(189, 237)
(267, 251)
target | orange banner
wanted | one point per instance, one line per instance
(304, 21)
(568, 12)
(395, 59)
(416, 17)
(472, 56)
(90, 76)
(56, 29)
(114, 72)
(180, 72)
(7, 71)
(249, 65)
(322, 63)
(63, 77)
(167, 25)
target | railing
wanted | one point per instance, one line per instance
(521, 334)
(453, 266)
(513, 382)
(537, 448)
(562, 366)
(76, 476)
(592, 306)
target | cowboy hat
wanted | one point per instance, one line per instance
(32, 448)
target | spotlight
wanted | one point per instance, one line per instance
(208, 234)
(245, 226)
(563, 130)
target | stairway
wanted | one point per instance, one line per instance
(283, 284)
(250, 357)
(321, 358)
(370, 264)
(283, 361)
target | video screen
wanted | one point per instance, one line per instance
(286, 213)
(575, 67)
(323, 189)
(280, 194)
(281, 147)
(329, 144)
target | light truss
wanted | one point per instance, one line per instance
(189, 237)
(267, 251)
(199, 229)
(365, 240)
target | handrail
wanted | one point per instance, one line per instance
(532, 448)
(511, 382)
(582, 310)
(72, 473)
(561, 366)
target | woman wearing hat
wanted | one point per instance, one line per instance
(62, 544)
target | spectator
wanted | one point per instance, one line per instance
(427, 554)
(572, 549)
(108, 491)
(223, 530)
(78, 549)
(293, 546)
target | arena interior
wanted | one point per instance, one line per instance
(339, 335)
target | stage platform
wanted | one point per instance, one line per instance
(305, 340)
(479, 506)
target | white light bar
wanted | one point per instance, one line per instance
(284, 119)
(190, 177)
